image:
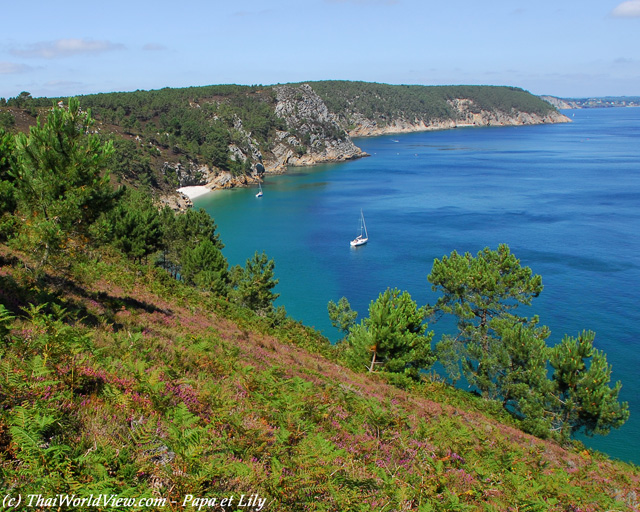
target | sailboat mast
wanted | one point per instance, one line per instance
(366, 235)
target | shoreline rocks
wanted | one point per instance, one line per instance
(314, 135)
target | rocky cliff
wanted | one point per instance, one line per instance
(314, 134)
(559, 102)
(228, 135)
(316, 130)
(465, 113)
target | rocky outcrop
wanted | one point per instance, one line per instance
(227, 180)
(312, 136)
(559, 102)
(313, 133)
(178, 201)
(363, 127)
(465, 113)
(468, 115)
(211, 177)
(188, 175)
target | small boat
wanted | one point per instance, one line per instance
(363, 237)
(259, 194)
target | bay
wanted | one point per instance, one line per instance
(565, 198)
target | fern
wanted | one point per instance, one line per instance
(185, 437)
(5, 319)
(10, 378)
(117, 397)
(38, 367)
(143, 432)
(26, 441)
(34, 432)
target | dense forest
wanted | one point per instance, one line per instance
(135, 363)
(175, 137)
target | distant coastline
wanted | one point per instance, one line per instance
(218, 137)
(601, 102)
(466, 120)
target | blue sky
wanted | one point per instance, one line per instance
(564, 48)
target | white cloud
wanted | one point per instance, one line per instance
(65, 48)
(11, 68)
(628, 9)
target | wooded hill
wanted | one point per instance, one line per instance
(175, 137)
(386, 103)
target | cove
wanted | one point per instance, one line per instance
(565, 198)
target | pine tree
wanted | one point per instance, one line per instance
(171, 248)
(7, 189)
(477, 291)
(62, 184)
(522, 378)
(7, 154)
(136, 226)
(583, 398)
(254, 283)
(182, 232)
(205, 267)
(393, 338)
(195, 226)
(341, 315)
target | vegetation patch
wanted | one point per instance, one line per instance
(134, 363)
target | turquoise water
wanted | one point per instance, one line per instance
(565, 198)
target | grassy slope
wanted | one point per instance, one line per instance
(158, 390)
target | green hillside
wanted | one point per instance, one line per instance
(136, 366)
(174, 137)
(385, 103)
(145, 387)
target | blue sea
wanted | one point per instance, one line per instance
(565, 198)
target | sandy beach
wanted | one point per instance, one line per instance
(195, 191)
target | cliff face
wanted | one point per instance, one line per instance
(313, 135)
(559, 102)
(221, 136)
(465, 113)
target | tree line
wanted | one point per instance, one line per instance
(57, 203)
(502, 355)
(191, 125)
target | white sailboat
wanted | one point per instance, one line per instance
(259, 194)
(363, 237)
